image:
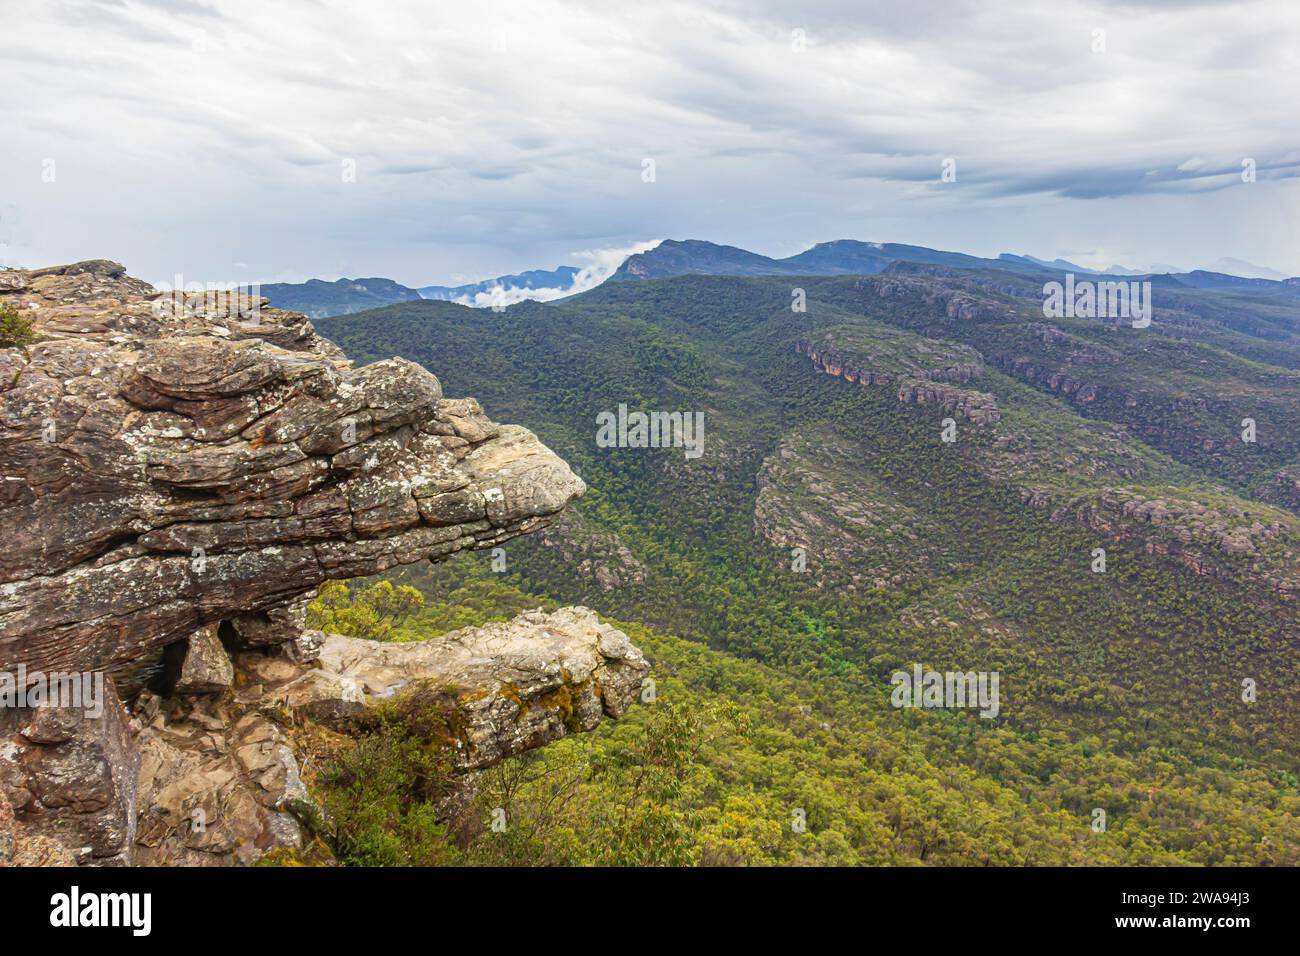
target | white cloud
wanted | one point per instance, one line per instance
(601, 264)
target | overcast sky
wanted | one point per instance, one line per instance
(213, 138)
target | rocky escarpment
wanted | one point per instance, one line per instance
(916, 385)
(179, 473)
(1234, 541)
(1070, 370)
(959, 304)
(856, 368)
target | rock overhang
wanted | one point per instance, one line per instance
(168, 464)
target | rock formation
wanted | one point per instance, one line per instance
(179, 473)
(916, 386)
(220, 779)
(169, 464)
(1224, 540)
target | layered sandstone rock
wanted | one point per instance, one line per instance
(1246, 542)
(518, 685)
(177, 475)
(918, 383)
(853, 367)
(170, 464)
(221, 782)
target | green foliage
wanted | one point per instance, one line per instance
(713, 770)
(381, 794)
(588, 804)
(1121, 690)
(15, 330)
(376, 613)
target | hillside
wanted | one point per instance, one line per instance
(1122, 688)
(317, 298)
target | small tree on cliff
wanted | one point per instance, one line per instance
(373, 613)
(15, 331)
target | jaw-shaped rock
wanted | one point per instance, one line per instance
(166, 468)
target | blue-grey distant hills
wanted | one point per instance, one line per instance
(852, 257)
(674, 257)
(840, 257)
(318, 299)
(561, 278)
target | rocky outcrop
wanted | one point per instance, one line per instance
(917, 385)
(179, 473)
(956, 304)
(980, 408)
(516, 685)
(1066, 364)
(68, 774)
(850, 367)
(1214, 539)
(222, 780)
(219, 782)
(171, 463)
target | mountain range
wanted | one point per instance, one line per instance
(319, 299)
(559, 278)
(1112, 525)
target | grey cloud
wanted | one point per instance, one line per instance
(510, 136)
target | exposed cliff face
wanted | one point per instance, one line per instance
(166, 468)
(916, 385)
(179, 474)
(1221, 540)
(1070, 374)
(852, 368)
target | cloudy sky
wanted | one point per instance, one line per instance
(247, 140)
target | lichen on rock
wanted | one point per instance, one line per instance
(178, 474)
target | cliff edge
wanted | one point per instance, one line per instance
(178, 473)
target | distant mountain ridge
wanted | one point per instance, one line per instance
(318, 299)
(838, 257)
(559, 278)
(675, 257)
(852, 257)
